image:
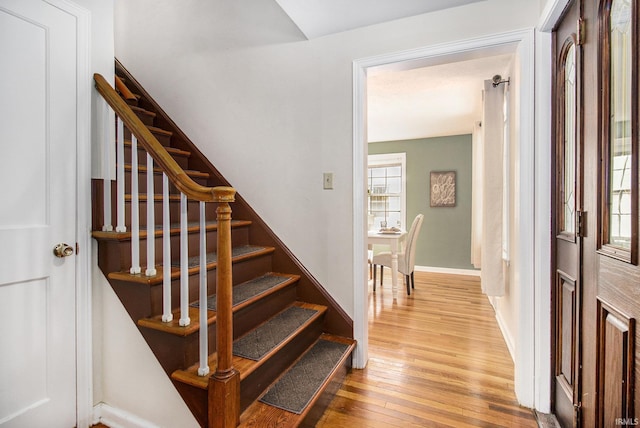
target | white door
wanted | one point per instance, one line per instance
(37, 211)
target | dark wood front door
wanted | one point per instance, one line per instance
(568, 212)
(595, 349)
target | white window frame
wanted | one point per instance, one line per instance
(393, 159)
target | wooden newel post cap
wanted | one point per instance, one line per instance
(224, 194)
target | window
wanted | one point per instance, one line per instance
(619, 139)
(386, 179)
(567, 204)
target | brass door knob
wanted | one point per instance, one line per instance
(62, 250)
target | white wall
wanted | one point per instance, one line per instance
(273, 111)
(129, 378)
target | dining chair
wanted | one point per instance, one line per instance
(406, 258)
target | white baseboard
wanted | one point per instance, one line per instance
(117, 418)
(505, 334)
(451, 271)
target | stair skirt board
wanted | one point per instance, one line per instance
(258, 342)
(247, 290)
(296, 388)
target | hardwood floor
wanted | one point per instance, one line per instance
(436, 359)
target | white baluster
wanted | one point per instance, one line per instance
(184, 263)
(135, 209)
(151, 221)
(120, 225)
(167, 316)
(203, 370)
(106, 164)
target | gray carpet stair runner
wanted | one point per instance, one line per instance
(247, 290)
(258, 342)
(296, 387)
(213, 257)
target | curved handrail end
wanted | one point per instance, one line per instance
(224, 194)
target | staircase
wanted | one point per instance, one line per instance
(292, 343)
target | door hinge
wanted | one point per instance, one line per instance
(580, 32)
(581, 223)
(577, 414)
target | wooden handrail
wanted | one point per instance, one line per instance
(224, 384)
(165, 161)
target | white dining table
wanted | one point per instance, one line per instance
(393, 240)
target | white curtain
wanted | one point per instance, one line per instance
(477, 165)
(493, 283)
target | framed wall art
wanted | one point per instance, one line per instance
(443, 189)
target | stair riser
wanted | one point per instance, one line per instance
(183, 161)
(157, 183)
(252, 316)
(193, 212)
(193, 209)
(164, 139)
(185, 350)
(146, 117)
(174, 352)
(255, 266)
(145, 301)
(238, 237)
(255, 384)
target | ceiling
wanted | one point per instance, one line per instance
(433, 101)
(317, 18)
(406, 101)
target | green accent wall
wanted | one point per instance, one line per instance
(445, 238)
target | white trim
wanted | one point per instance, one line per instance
(524, 376)
(525, 351)
(548, 20)
(360, 152)
(508, 339)
(84, 357)
(449, 271)
(118, 418)
(551, 14)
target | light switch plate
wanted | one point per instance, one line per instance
(327, 180)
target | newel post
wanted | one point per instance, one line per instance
(224, 385)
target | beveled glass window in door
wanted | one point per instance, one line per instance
(568, 215)
(620, 185)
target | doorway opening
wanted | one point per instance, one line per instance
(526, 344)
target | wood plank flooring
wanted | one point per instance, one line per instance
(436, 359)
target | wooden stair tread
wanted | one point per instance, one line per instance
(265, 415)
(156, 170)
(172, 150)
(173, 327)
(244, 366)
(161, 131)
(175, 271)
(143, 111)
(157, 197)
(193, 227)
